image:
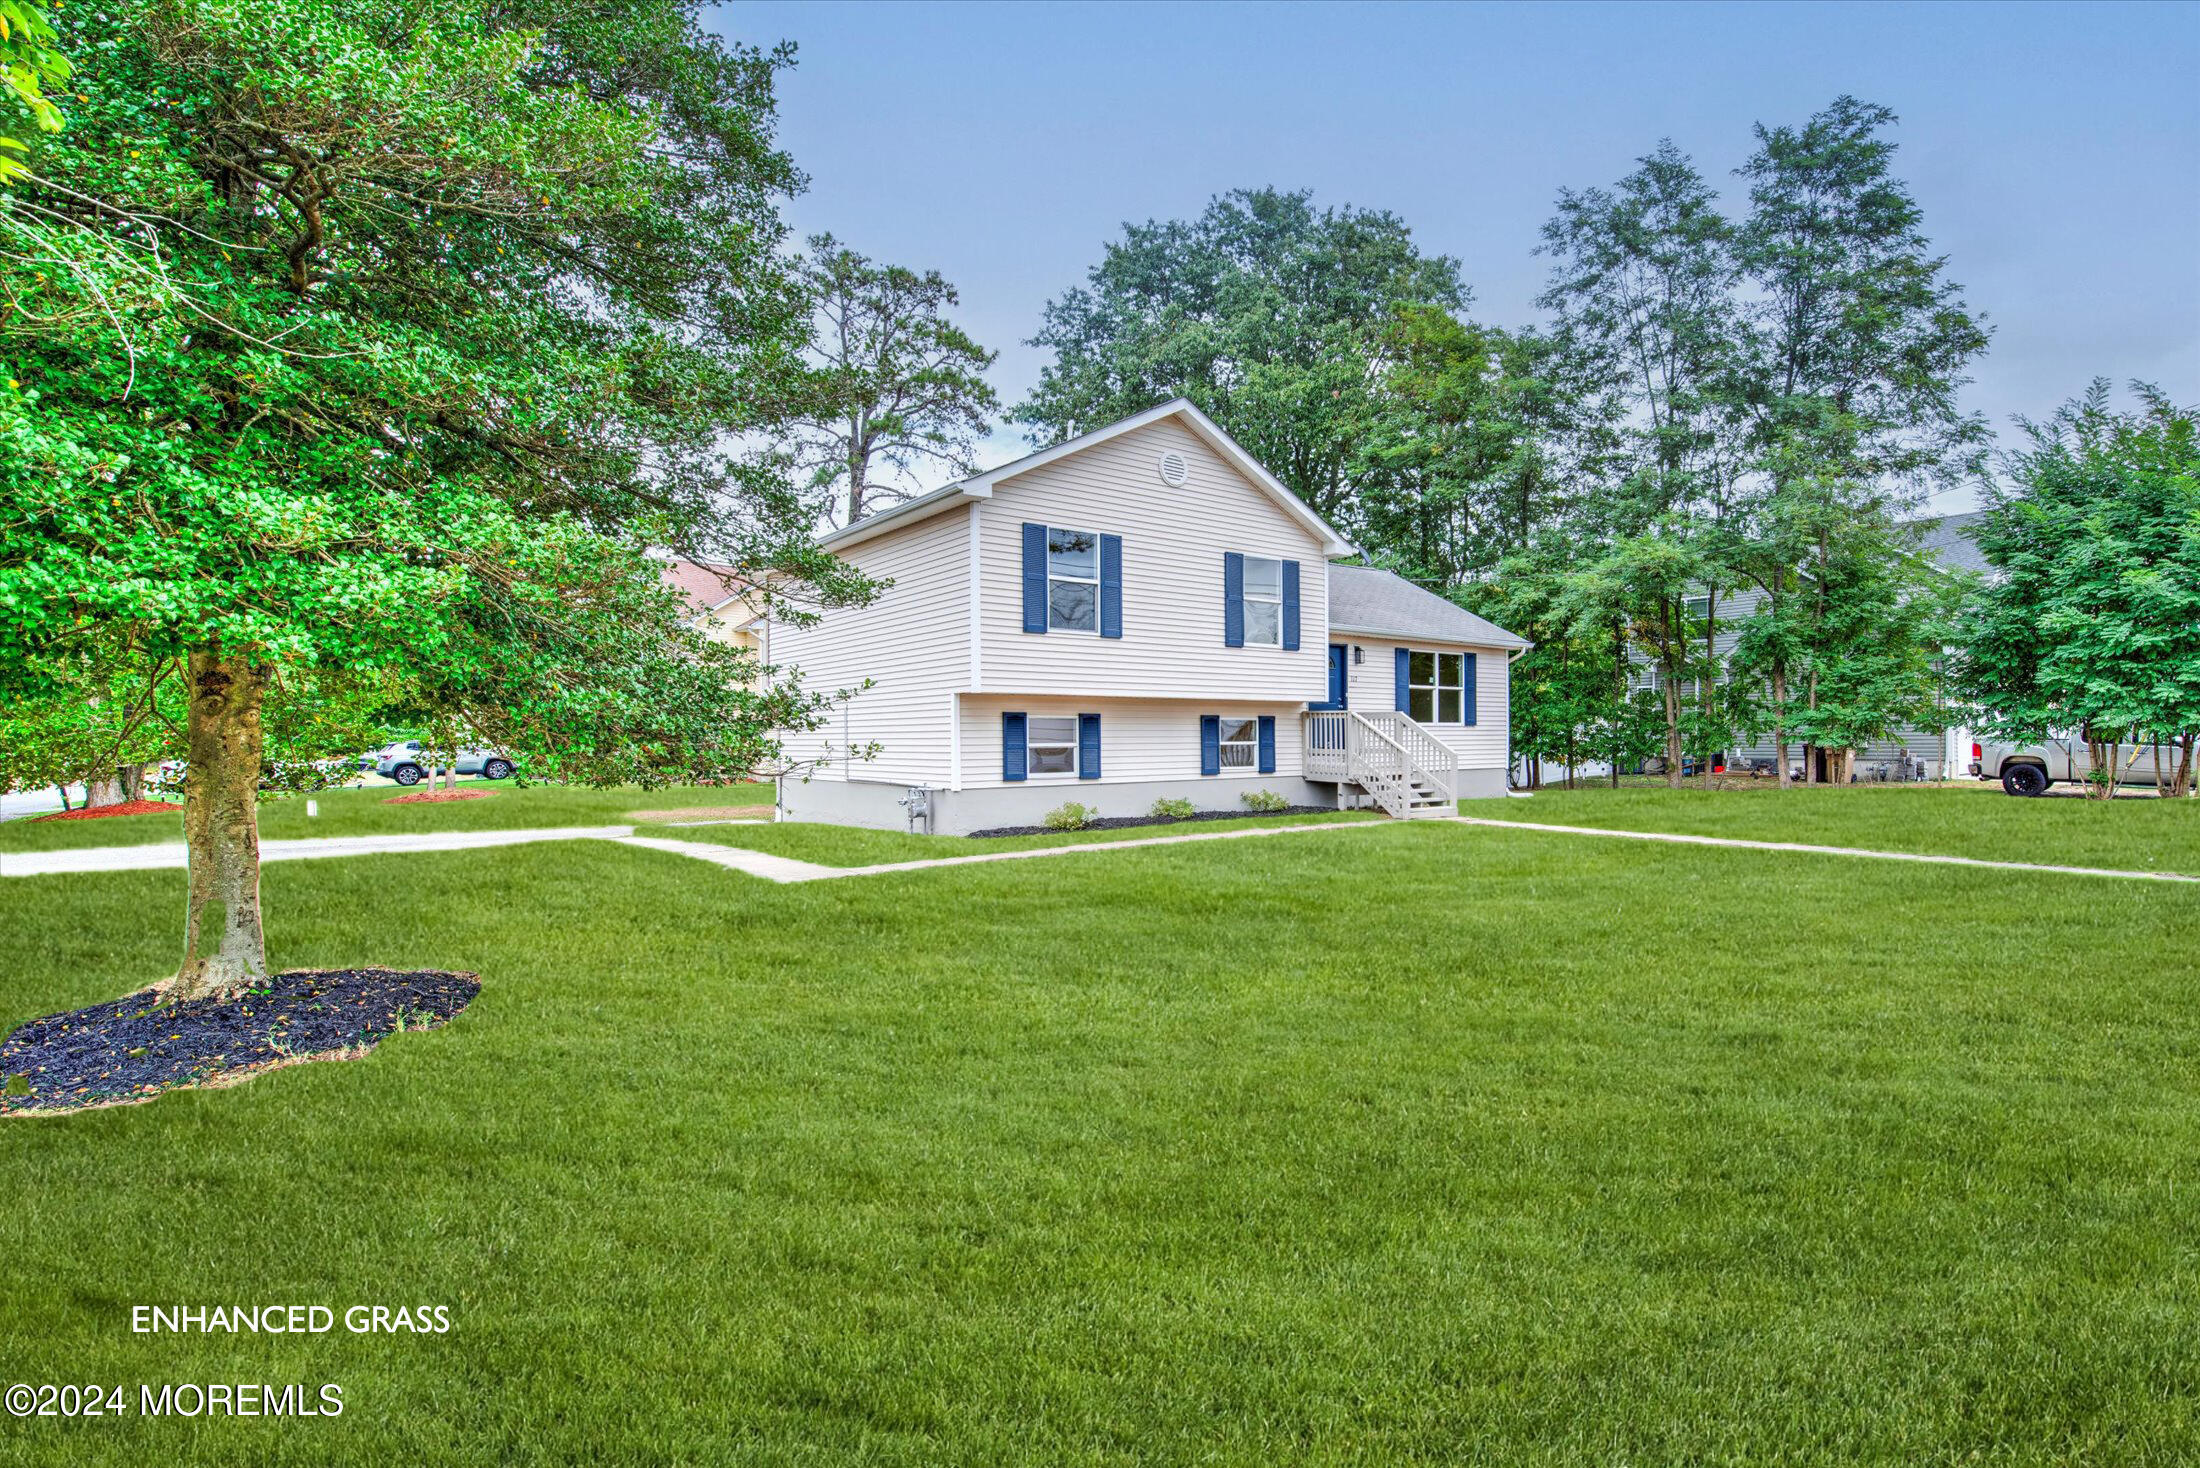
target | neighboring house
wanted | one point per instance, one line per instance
(721, 604)
(1140, 612)
(1909, 753)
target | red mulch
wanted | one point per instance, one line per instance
(427, 798)
(127, 808)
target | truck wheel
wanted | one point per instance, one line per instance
(497, 769)
(407, 775)
(2025, 780)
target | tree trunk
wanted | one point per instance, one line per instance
(1779, 725)
(1673, 752)
(2183, 784)
(1710, 671)
(224, 947)
(133, 782)
(103, 792)
(1810, 746)
(2103, 756)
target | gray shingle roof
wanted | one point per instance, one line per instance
(1949, 541)
(1364, 599)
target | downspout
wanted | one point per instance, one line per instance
(1510, 658)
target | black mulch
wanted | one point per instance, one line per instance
(1121, 823)
(138, 1047)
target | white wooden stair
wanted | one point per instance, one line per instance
(1402, 766)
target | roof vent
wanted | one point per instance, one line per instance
(1174, 471)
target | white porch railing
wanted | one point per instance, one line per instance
(1410, 772)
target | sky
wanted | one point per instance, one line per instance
(2054, 149)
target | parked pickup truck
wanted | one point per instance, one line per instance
(2029, 769)
(408, 764)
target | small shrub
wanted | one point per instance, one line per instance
(1265, 800)
(1070, 816)
(1170, 808)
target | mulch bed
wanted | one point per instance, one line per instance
(1124, 823)
(430, 797)
(133, 1049)
(127, 808)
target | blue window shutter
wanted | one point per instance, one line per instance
(1466, 711)
(1012, 747)
(1111, 586)
(1267, 744)
(1404, 681)
(1233, 599)
(1210, 744)
(1035, 580)
(1088, 746)
(1290, 606)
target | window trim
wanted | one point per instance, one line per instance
(1095, 581)
(1247, 599)
(1251, 742)
(1436, 689)
(1033, 744)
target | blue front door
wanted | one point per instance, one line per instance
(1337, 656)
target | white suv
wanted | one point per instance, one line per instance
(408, 763)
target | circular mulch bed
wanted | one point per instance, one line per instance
(1124, 823)
(127, 808)
(427, 797)
(134, 1048)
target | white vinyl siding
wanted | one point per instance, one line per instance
(1173, 544)
(912, 642)
(1139, 740)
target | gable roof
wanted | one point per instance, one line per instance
(703, 586)
(1949, 541)
(980, 486)
(1378, 603)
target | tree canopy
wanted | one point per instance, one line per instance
(1271, 315)
(388, 343)
(2091, 622)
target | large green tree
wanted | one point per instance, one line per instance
(457, 313)
(1462, 462)
(1643, 290)
(2091, 622)
(1856, 348)
(1271, 314)
(893, 386)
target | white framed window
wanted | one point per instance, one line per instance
(1436, 687)
(1073, 581)
(1240, 744)
(1696, 608)
(1051, 744)
(1263, 602)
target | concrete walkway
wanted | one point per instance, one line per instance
(1919, 856)
(173, 854)
(775, 868)
(787, 869)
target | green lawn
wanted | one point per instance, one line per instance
(367, 812)
(1422, 1144)
(1981, 821)
(847, 846)
(507, 808)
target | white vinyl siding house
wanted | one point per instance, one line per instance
(1087, 624)
(912, 643)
